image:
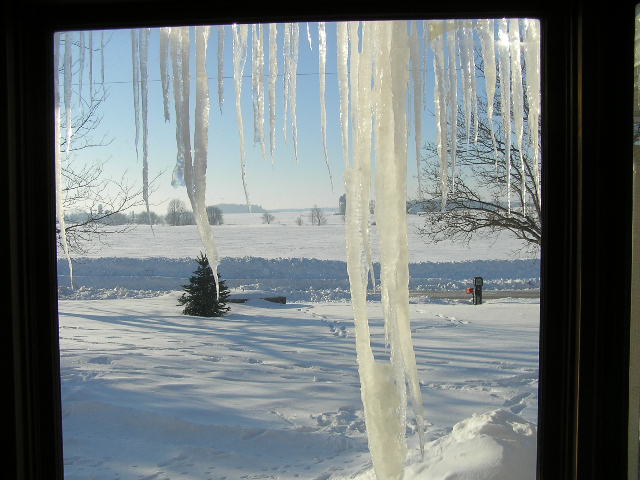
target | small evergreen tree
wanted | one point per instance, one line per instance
(200, 298)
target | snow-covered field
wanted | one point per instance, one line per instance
(272, 391)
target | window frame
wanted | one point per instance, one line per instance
(587, 137)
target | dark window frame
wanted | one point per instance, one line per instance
(587, 83)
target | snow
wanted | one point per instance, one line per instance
(272, 391)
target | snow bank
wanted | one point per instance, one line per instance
(496, 445)
(293, 275)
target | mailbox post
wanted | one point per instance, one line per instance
(477, 290)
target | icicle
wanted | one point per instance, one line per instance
(453, 98)
(257, 78)
(532, 59)
(200, 144)
(81, 64)
(176, 66)
(68, 77)
(487, 31)
(414, 48)
(91, 67)
(273, 76)
(343, 86)
(102, 60)
(436, 35)
(517, 99)
(220, 66)
(425, 63)
(165, 33)
(135, 69)
(285, 79)
(143, 44)
(185, 124)
(465, 54)
(240, 33)
(505, 98)
(293, 89)
(58, 156)
(309, 37)
(322, 58)
(469, 68)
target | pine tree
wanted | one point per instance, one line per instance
(200, 298)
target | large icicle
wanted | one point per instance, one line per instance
(143, 44)
(240, 33)
(505, 98)
(486, 29)
(343, 85)
(273, 76)
(165, 33)
(135, 72)
(517, 99)
(453, 97)
(436, 36)
(58, 156)
(532, 59)
(416, 74)
(322, 59)
(200, 145)
(220, 66)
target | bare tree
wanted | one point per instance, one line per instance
(176, 213)
(215, 215)
(317, 216)
(477, 199)
(299, 220)
(268, 218)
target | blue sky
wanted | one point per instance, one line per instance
(282, 183)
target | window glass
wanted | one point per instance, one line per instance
(267, 148)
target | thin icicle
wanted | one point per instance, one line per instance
(135, 71)
(414, 48)
(505, 98)
(102, 60)
(176, 66)
(453, 98)
(68, 78)
(240, 34)
(81, 58)
(309, 37)
(486, 29)
(466, 51)
(58, 155)
(165, 33)
(343, 86)
(143, 44)
(436, 36)
(91, 68)
(467, 45)
(257, 79)
(200, 145)
(293, 89)
(220, 66)
(532, 59)
(322, 59)
(517, 99)
(285, 78)
(273, 76)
